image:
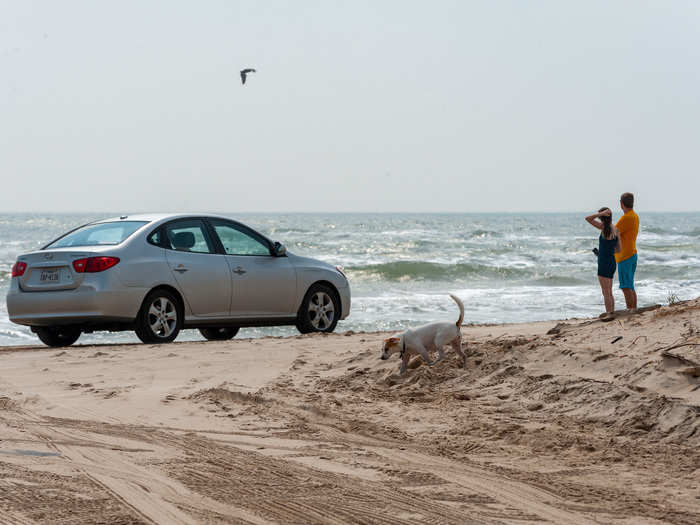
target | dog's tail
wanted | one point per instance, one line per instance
(461, 310)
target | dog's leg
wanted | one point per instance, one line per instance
(404, 362)
(441, 354)
(440, 357)
(437, 345)
(457, 346)
(424, 354)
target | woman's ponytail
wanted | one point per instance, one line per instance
(607, 223)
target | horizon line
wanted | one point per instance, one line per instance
(282, 212)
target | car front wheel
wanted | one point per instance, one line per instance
(160, 318)
(58, 335)
(218, 334)
(319, 310)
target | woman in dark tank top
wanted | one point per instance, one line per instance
(608, 245)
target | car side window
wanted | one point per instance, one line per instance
(237, 241)
(156, 238)
(188, 235)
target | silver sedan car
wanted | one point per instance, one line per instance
(157, 274)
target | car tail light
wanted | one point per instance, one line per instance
(79, 265)
(18, 268)
(94, 264)
(100, 264)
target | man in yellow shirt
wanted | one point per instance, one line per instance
(626, 258)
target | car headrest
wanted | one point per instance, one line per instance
(182, 240)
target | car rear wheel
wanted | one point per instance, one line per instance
(319, 310)
(58, 335)
(219, 334)
(160, 318)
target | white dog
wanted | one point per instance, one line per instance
(428, 337)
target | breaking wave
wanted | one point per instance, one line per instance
(431, 271)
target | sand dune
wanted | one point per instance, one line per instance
(582, 421)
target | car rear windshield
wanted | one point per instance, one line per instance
(103, 233)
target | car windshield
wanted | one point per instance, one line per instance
(98, 234)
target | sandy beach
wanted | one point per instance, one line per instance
(578, 421)
(224, 209)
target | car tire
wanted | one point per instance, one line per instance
(58, 335)
(219, 334)
(160, 318)
(319, 311)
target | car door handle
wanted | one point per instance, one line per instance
(239, 271)
(180, 269)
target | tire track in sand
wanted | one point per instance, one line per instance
(525, 497)
(149, 495)
(519, 495)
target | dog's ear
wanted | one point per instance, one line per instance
(393, 340)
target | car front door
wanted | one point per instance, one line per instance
(263, 285)
(202, 274)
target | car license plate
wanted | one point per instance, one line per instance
(50, 276)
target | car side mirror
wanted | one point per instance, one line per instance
(279, 250)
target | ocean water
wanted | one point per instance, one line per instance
(505, 267)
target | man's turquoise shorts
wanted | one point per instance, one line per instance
(625, 271)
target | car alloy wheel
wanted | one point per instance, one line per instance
(160, 318)
(321, 311)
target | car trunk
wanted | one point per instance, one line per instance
(51, 270)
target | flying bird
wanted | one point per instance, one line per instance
(244, 74)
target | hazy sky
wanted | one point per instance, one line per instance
(357, 105)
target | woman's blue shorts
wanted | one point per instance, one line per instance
(606, 267)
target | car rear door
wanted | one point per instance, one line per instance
(263, 285)
(202, 274)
